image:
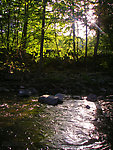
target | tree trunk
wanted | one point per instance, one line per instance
(2, 37)
(77, 42)
(97, 43)
(24, 33)
(17, 31)
(98, 32)
(86, 47)
(8, 30)
(56, 40)
(73, 27)
(42, 34)
(86, 25)
(56, 34)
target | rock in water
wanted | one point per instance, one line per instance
(92, 97)
(27, 92)
(87, 106)
(48, 99)
(33, 91)
(51, 100)
(60, 97)
(24, 93)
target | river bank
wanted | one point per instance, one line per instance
(99, 83)
(22, 117)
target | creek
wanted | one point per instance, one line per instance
(73, 125)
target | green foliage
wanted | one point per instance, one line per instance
(21, 28)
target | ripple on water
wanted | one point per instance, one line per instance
(74, 128)
(69, 126)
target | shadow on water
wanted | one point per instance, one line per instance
(28, 125)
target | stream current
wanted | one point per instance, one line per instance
(72, 125)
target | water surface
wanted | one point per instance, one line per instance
(73, 125)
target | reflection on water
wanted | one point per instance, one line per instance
(29, 125)
(74, 127)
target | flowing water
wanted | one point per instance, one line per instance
(73, 125)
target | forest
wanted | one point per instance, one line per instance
(56, 77)
(56, 34)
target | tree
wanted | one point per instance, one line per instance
(86, 4)
(106, 19)
(24, 32)
(43, 26)
(33, 27)
(97, 30)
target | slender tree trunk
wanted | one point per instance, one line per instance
(42, 34)
(2, 37)
(8, 34)
(24, 33)
(86, 47)
(8, 30)
(73, 27)
(98, 36)
(56, 34)
(77, 42)
(56, 41)
(98, 32)
(86, 25)
(97, 43)
(1, 28)
(17, 29)
(17, 33)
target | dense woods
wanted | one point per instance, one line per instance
(38, 33)
(56, 74)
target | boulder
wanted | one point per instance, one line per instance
(27, 92)
(24, 93)
(51, 100)
(3, 89)
(92, 97)
(77, 97)
(33, 91)
(60, 97)
(87, 106)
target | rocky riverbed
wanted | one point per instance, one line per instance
(92, 93)
(58, 82)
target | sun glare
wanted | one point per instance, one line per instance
(80, 28)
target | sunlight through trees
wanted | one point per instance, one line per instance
(69, 29)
